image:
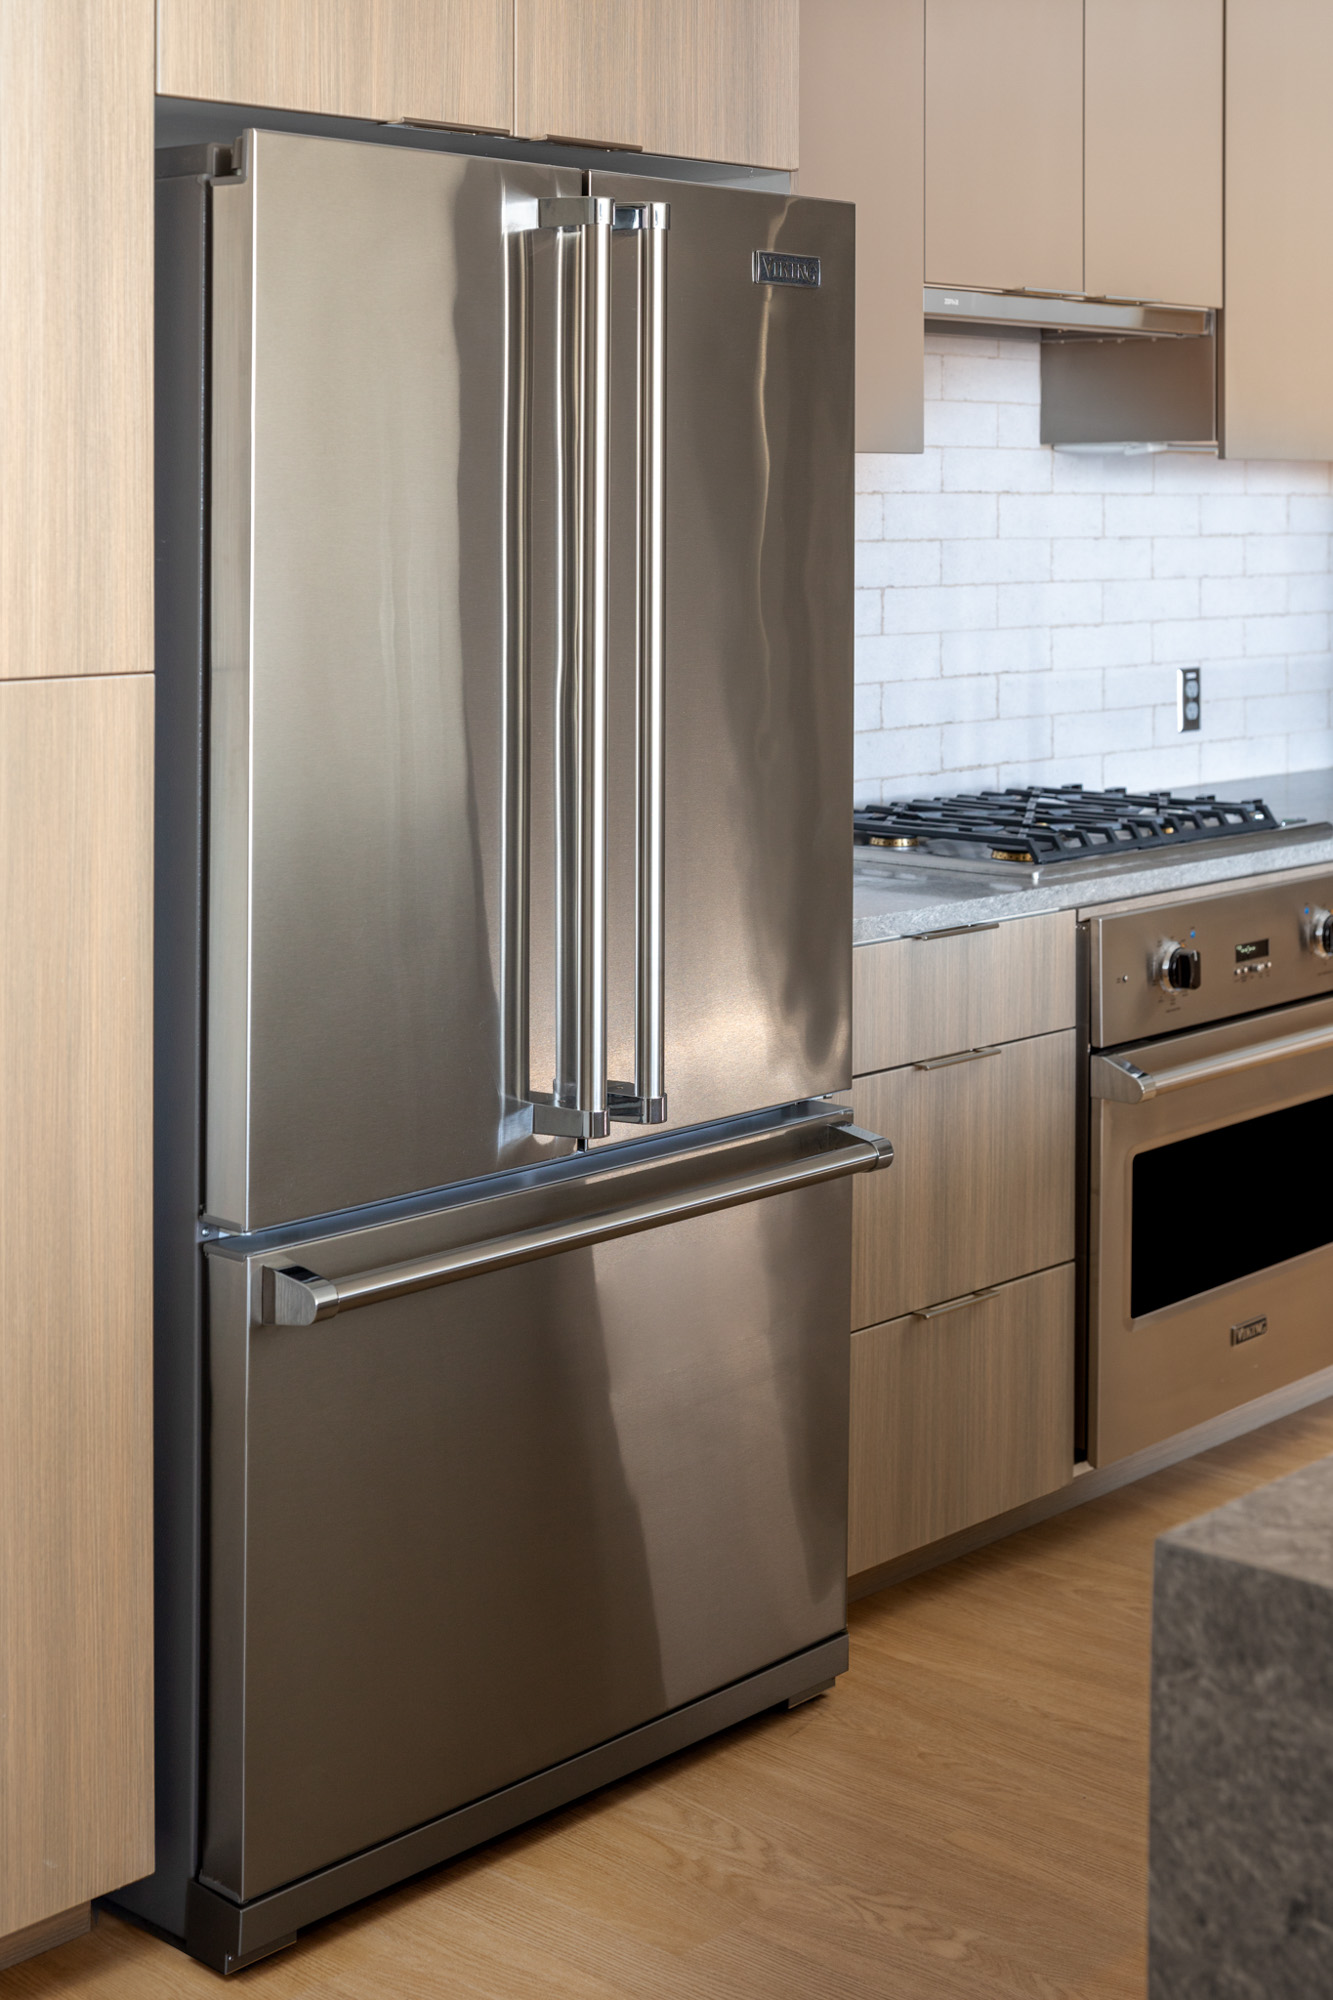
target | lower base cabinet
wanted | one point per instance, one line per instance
(959, 1414)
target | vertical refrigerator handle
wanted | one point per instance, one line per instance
(644, 1101)
(582, 1102)
(577, 1105)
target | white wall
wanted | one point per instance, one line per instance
(1021, 612)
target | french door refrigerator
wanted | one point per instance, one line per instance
(504, 934)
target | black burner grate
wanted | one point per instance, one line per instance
(1064, 824)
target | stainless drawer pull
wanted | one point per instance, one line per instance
(964, 1055)
(954, 930)
(296, 1296)
(1123, 1082)
(953, 1305)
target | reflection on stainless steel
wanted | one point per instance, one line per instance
(467, 1532)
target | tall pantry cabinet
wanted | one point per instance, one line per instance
(76, 719)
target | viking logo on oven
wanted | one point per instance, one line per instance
(1249, 1329)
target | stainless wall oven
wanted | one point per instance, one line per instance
(1210, 1196)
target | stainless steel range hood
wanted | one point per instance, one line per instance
(1120, 318)
(1116, 375)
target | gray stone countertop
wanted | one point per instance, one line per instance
(1286, 1527)
(893, 899)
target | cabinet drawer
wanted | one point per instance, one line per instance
(957, 1418)
(982, 1188)
(928, 996)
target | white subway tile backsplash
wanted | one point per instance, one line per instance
(897, 656)
(1297, 632)
(1050, 694)
(978, 469)
(953, 424)
(1090, 557)
(1308, 514)
(1158, 597)
(1235, 597)
(995, 652)
(1198, 555)
(1311, 593)
(1005, 559)
(1151, 514)
(1019, 738)
(1119, 729)
(1242, 514)
(1050, 514)
(928, 517)
(1102, 646)
(1190, 641)
(881, 565)
(1049, 604)
(918, 704)
(1285, 555)
(1021, 613)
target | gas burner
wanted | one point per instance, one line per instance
(1066, 827)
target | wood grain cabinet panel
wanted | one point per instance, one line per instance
(982, 1185)
(1004, 144)
(935, 995)
(695, 79)
(1153, 150)
(76, 1806)
(76, 302)
(1277, 386)
(444, 62)
(862, 137)
(958, 1418)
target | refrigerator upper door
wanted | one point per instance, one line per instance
(758, 645)
(367, 305)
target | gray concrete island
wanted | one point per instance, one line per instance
(1241, 1850)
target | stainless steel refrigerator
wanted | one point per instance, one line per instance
(505, 586)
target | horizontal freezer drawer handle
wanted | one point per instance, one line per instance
(296, 1296)
(1123, 1082)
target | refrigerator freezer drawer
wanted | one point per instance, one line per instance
(464, 1533)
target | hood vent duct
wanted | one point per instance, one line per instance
(1114, 376)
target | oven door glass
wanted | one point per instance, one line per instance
(1223, 1204)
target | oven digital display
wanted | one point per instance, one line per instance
(1245, 952)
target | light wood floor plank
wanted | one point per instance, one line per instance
(965, 1818)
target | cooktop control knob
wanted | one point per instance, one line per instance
(1321, 933)
(1176, 970)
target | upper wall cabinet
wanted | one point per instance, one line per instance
(862, 108)
(1277, 401)
(1004, 144)
(698, 79)
(444, 62)
(1153, 151)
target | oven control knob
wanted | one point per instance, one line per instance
(1321, 933)
(1177, 970)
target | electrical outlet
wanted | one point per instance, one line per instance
(1189, 697)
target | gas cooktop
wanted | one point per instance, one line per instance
(1066, 829)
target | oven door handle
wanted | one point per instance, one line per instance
(1123, 1082)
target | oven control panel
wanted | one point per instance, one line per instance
(1168, 964)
